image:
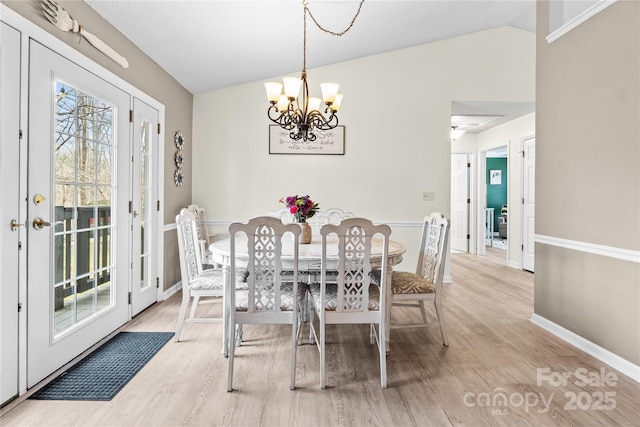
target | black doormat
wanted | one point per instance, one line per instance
(103, 373)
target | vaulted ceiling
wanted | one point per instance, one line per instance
(208, 45)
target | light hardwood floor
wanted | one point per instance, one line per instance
(487, 376)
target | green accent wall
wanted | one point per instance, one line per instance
(496, 194)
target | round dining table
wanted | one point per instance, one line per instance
(309, 260)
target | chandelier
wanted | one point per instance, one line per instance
(301, 115)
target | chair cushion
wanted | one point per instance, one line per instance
(212, 279)
(286, 297)
(209, 279)
(403, 282)
(331, 297)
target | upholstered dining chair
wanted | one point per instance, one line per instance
(353, 298)
(271, 296)
(196, 281)
(413, 289)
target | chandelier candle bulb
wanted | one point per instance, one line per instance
(314, 104)
(292, 87)
(274, 90)
(283, 103)
(329, 92)
(335, 106)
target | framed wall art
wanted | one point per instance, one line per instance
(327, 142)
(495, 177)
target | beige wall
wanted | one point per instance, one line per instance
(396, 110)
(147, 76)
(588, 176)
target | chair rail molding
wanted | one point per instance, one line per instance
(591, 248)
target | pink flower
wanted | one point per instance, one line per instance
(302, 207)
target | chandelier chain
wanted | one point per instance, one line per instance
(341, 33)
(305, 3)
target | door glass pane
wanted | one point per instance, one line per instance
(84, 174)
(145, 191)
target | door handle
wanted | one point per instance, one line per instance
(40, 223)
(15, 224)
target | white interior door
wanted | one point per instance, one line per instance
(144, 206)
(10, 236)
(459, 233)
(77, 195)
(528, 201)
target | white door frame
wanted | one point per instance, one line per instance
(30, 30)
(481, 204)
(525, 243)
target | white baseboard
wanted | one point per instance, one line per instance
(514, 264)
(172, 290)
(616, 362)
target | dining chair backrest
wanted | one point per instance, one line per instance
(201, 222)
(329, 216)
(353, 279)
(264, 268)
(188, 246)
(283, 215)
(433, 247)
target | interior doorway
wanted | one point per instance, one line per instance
(497, 195)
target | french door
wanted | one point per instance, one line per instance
(77, 203)
(144, 206)
(11, 224)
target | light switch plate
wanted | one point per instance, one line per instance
(428, 196)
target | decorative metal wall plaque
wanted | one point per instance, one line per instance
(178, 178)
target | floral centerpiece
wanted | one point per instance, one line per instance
(301, 207)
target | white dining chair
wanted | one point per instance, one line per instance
(271, 297)
(413, 289)
(196, 281)
(353, 298)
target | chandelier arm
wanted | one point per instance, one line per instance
(318, 121)
(286, 119)
(323, 123)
